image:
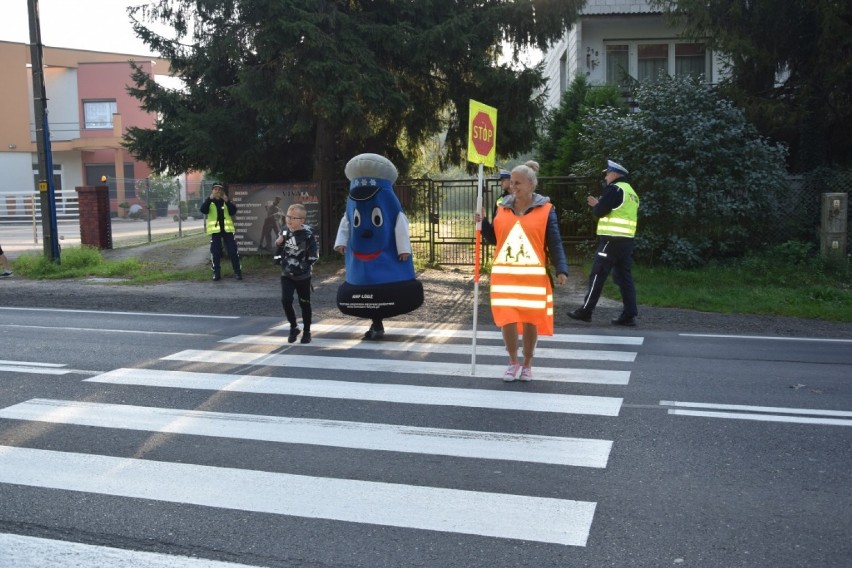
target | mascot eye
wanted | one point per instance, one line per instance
(378, 219)
(356, 219)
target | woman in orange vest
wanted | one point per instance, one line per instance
(526, 232)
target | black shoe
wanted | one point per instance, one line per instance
(580, 314)
(238, 276)
(306, 337)
(216, 278)
(624, 320)
(294, 333)
(374, 334)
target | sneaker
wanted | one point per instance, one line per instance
(306, 337)
(216, 277)
(526, 375)
(238, 276)
(373, 334)
(511, 371)
(580, 314)
(294, 333)
(6, 274)
(624, 320)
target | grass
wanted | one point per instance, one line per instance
(783, 281)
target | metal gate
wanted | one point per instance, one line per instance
(440, 214)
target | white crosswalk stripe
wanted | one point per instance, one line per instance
(303, 371)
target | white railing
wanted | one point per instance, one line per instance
(25, 207)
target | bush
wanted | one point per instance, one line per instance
(709, 185)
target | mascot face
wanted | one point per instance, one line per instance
(372, 256)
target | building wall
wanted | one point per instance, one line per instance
(70, 77)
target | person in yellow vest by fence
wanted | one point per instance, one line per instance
(617, 211)
(526, 234)
(220, 212)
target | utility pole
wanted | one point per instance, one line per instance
(46, 189)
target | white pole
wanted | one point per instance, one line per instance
(477, 260)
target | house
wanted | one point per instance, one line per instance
(89, 110)
(614, 41)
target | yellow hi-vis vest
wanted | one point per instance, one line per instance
(520, 287)
(213, 220)
(621, 221)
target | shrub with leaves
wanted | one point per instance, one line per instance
(708, 183)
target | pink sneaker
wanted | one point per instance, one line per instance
(526, 375)
(511, 371)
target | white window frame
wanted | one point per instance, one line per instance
(97, 113)
(633, 55)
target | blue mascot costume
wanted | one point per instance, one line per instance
(373, 235)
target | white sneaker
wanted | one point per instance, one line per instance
(6, 274)
(511, 371)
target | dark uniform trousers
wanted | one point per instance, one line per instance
(614, 254)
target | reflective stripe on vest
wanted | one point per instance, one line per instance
(621, 221)
(213, 220)
(520, 287)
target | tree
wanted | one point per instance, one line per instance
(291, 89)
(559, 149)
(709, 185)
(791, 68)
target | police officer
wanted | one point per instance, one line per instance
(616, 211)
(220, 226)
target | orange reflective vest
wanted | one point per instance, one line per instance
(520, 287)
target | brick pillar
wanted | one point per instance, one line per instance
(95, 223)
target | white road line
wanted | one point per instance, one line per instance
(52, 310)
(34, 370)
(762, 417)
(404, 394)
(468, 333)
(375, 365)
(106, 330)
(746, 408)
(439, 348)
(31, 364)
(27, 551)
(766, 337)
(538, 519)
(359, 435)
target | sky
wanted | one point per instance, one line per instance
(98, 25)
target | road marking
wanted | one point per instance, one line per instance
(32, 363)
(500, 515)
(143, 332)
(468, 333)
(404, 394)
(53, 310)
(438, 348)
(766, 337)
(35, 370)
(376, 365)
(344, 434)
(759, 413)
(23, 551)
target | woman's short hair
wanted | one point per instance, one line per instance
(528, 172)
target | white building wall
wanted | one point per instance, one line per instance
(63, 110)
(16, 175)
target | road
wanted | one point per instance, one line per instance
(157, 439)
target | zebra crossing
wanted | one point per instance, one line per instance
(301, 371)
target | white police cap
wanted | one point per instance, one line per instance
(615, 167)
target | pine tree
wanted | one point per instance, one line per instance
(291, 89)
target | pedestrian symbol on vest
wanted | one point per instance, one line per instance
(517, 248)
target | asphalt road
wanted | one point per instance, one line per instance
(125, 437)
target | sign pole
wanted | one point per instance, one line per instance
(481, 149)
(476, 263)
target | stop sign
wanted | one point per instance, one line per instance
(482, 133)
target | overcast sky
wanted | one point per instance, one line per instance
(98, 25)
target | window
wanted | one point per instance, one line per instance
(645, 61)
(617, 64)
(98, 114)
(690, 59)
(653, 59)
